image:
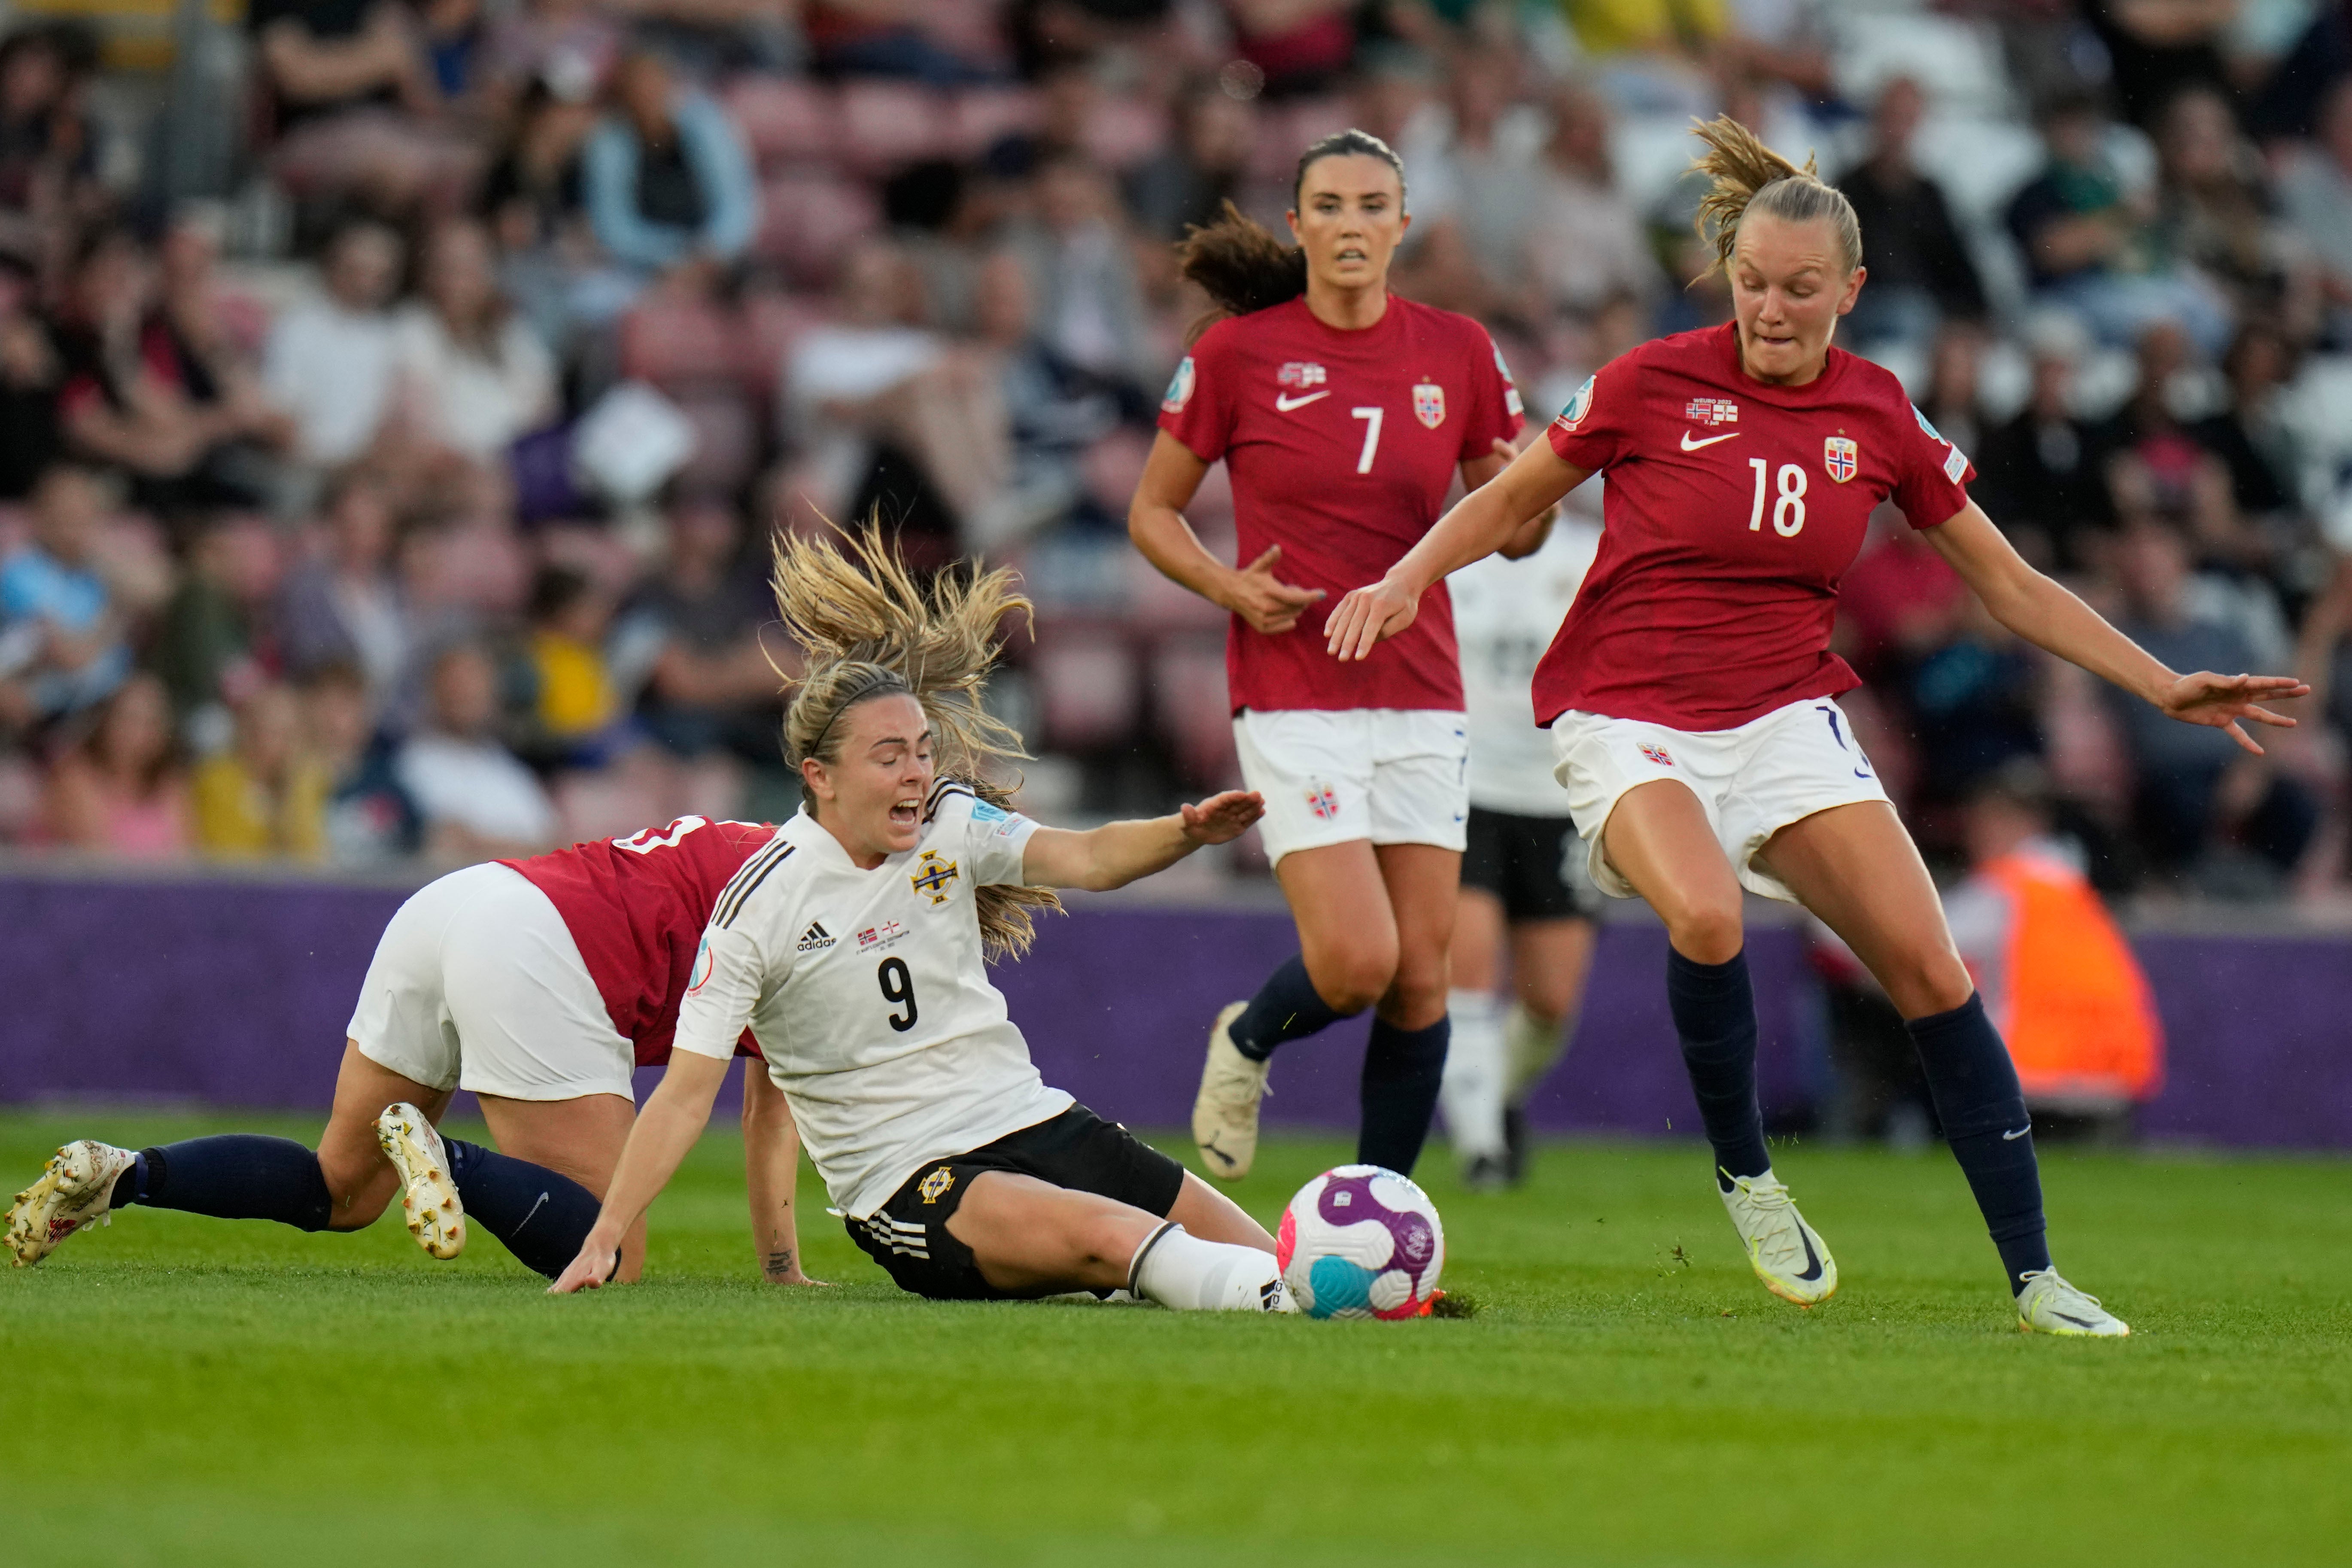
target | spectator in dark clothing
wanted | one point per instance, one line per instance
(2040, 476)
(2162, 47)
(50, 147)
(2250, 437)
(352, 90)
(688, 642)
(669, 182)
(2159, 464)
(2090, 244)
(1188, 181)
(30, 373)
(1920, 271)
(2196, 792)
(370, 819)
(2292, 100)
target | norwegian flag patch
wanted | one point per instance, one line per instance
(1429, 404)
(1323, 802)
(1842, 457)
(1656, 753)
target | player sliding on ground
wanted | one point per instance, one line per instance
(539, 985)
(855, 948)
(1690, 693)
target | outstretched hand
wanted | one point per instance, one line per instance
(2220, 700)
(1368, 615)
(1221, 818)
(1269, 604)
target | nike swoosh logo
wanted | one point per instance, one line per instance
(1812, 1258)
(1285, 403)
(1691, 446)
(2013, 1137)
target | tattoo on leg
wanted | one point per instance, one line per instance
(779, 1263)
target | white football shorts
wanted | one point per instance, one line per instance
(477, 984)
(1393, 775)
(1752, 780)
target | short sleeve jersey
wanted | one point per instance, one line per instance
(1508, 612)
(636, 907)
(1733, 508)
(869, 996)
(1341, 446)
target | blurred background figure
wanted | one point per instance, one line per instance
(473, 796)
(2054, 969)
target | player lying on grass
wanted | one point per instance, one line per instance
(538, 984)
(855, 948)
(1690, 693)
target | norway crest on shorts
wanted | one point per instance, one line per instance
(1842, 457)
(1429, 404)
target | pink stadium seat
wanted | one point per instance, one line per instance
(772, 324)
(676, 343)
(885, 124)
(808, 222)
(726, 439)
(980, 117)
(786, 120)
(1086, 685)
(1124, 131)
(1188, 693)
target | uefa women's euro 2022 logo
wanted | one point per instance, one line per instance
(1579, 408)
(701, 972)
(1180, 388)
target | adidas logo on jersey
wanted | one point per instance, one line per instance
(816, 938)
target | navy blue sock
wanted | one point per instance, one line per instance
(1285, 1008)
(1714, 1014)
(236, 1176)
(1403, 1068)
(1982, 1108)
(542, 1216)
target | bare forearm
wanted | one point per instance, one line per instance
(1167, 542)
(1123, 852)
(772, 1158)
(667, 1127)
(2047, 613)
(1481, 524)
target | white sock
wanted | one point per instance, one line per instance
(1532, 1048)
(1179, 1270)
(1472, 1090)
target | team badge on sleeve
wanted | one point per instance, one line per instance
(1511, 403)
(1180, 388)
(1842, 457)
(1429, 404)
(1956, 463)
(1579, 408)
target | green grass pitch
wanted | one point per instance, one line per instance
(183, 1391)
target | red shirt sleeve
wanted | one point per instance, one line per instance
(1591, 430)
(1932, 475)
(1495, 410)
(1201, 402)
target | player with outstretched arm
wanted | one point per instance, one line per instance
(1343, 415)
(1691, 694)
(854, 947)
(538, 984)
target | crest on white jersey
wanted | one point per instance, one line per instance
(1578, 407)
(1842, 457)
(1429, 404)
(1712, 411)
(1300, 374)
(1180, 388)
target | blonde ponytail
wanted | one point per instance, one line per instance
(869, 628)
(1747, 176)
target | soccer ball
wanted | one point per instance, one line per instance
(1361, 1242)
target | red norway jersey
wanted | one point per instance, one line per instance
(1341, 446)
(637, 907)
(1732, 508)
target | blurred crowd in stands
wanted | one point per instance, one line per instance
(407, 490)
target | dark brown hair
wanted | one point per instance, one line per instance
(1241, 264)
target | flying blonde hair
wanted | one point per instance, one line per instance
(870, 628)
(1747, 176)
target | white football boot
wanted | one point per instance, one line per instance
(75, 1191)
(2048, 1305)
(1224, 1116)
(428, 1198)
(1788, 1254)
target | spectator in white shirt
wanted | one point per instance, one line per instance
(330, 359)
(476, 800)
(473, 377)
